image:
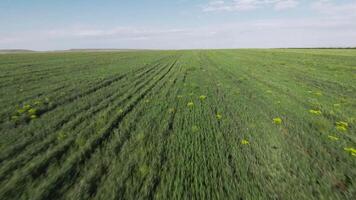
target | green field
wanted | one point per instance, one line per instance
(202, 124)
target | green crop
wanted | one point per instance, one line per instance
(199, 124)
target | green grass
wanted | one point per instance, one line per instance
(214, 124)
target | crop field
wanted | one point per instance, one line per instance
(197, 124)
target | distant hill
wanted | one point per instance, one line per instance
(15, 51)
(96, 50)
(6, 51)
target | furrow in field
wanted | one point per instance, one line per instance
(74, 97)
(93, 178)
(56, 69)
(72, 164)
(58, 61)
(64, 96)
(51, 74)
(98, 139)
(67, 118)
(155, 177)
(127, 144)
(58, 96)
(93, 110)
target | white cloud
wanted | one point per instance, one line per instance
(333, 10)
(333, 25)
(245, 5)
(302, 32)
(282, 5)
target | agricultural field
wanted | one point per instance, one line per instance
(195, 124)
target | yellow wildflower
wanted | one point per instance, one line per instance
(341, 123)
(195, 128)
(350, 150)
(318, 94)
(218, 116)
(277, 120)
(144, 170)
(190, 104)
(202, 97)
(27, 107)
(342, 126)
(315, 112)
(61, 136)
(245, 142)
(20, 111)
(32, 111)
(334, 138)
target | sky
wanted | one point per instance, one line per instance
(178, 24)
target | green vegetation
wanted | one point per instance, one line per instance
(217, 124)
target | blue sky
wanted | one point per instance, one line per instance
(180, 24)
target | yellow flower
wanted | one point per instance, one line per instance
(190, 104)
(195, 128)
(333, 138)
(315, 112)
(20, 111)
(144, 170)
(318, 94)
(245, 142)
(342, 126)
(218, 116)
(350, 150)
(341, 123)
(62, 136)
(26, 107)
(277, 120)
(32, 111)
(202, 97)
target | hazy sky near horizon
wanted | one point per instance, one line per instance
(179, 24)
